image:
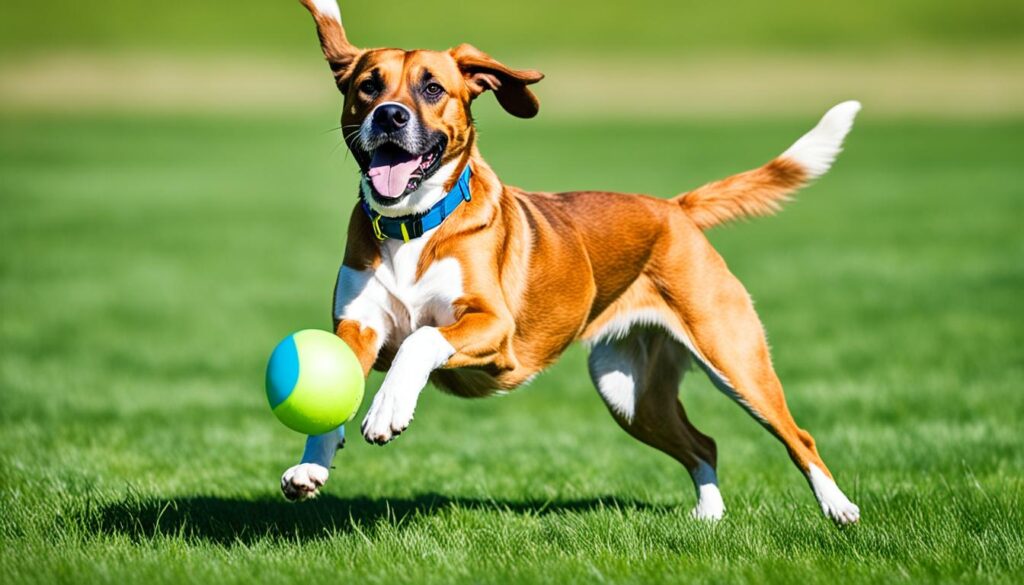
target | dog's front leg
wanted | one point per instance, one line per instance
(361, 324)
(302, 481)
(478, 338)
(391, 412)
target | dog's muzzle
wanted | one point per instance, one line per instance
(395, 152)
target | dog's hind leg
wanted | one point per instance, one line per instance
(638, 378)
(727, 338)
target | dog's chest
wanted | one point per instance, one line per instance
(424, 301)
(390, 298)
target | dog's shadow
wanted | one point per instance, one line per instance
(233, 521)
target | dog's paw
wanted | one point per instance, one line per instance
(841, 511)
(834, 503)
(709, 508)
(303, 481)
(386, 419)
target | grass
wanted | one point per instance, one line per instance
(149, 264)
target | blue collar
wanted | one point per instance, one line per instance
(413, 226)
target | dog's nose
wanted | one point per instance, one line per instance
(390, 117)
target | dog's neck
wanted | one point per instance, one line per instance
(419, 201)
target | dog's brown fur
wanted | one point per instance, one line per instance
(543, 270)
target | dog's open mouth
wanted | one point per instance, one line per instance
(394, 172)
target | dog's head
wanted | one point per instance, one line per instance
(407, 113)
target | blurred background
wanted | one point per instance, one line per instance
(678, 59)
(173, 199)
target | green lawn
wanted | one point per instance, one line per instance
(149, 265)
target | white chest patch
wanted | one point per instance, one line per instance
(390, 299)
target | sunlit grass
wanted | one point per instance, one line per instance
(150, 264)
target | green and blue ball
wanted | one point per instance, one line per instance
(314, 382)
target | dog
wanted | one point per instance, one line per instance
(451, 276)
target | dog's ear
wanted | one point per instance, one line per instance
(340, 54)
(482, 72)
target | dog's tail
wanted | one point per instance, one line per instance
(763, 190)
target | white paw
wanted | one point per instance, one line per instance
(303, 481)
(841, 512)
(709, 499)
(833, 501)
(387, 418)
(709, 508)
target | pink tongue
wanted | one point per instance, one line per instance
(391, 169)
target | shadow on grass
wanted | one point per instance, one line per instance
(229, 521)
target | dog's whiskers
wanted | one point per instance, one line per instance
(346, 137)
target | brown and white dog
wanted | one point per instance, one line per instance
(490, 297)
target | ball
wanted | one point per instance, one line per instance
(314, 382)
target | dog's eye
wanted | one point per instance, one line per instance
(433, 90)
(368, 86)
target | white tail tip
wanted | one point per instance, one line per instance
(817, 150)
(328, 8)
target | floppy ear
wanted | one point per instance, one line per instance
(482, 72)
(340, 54)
